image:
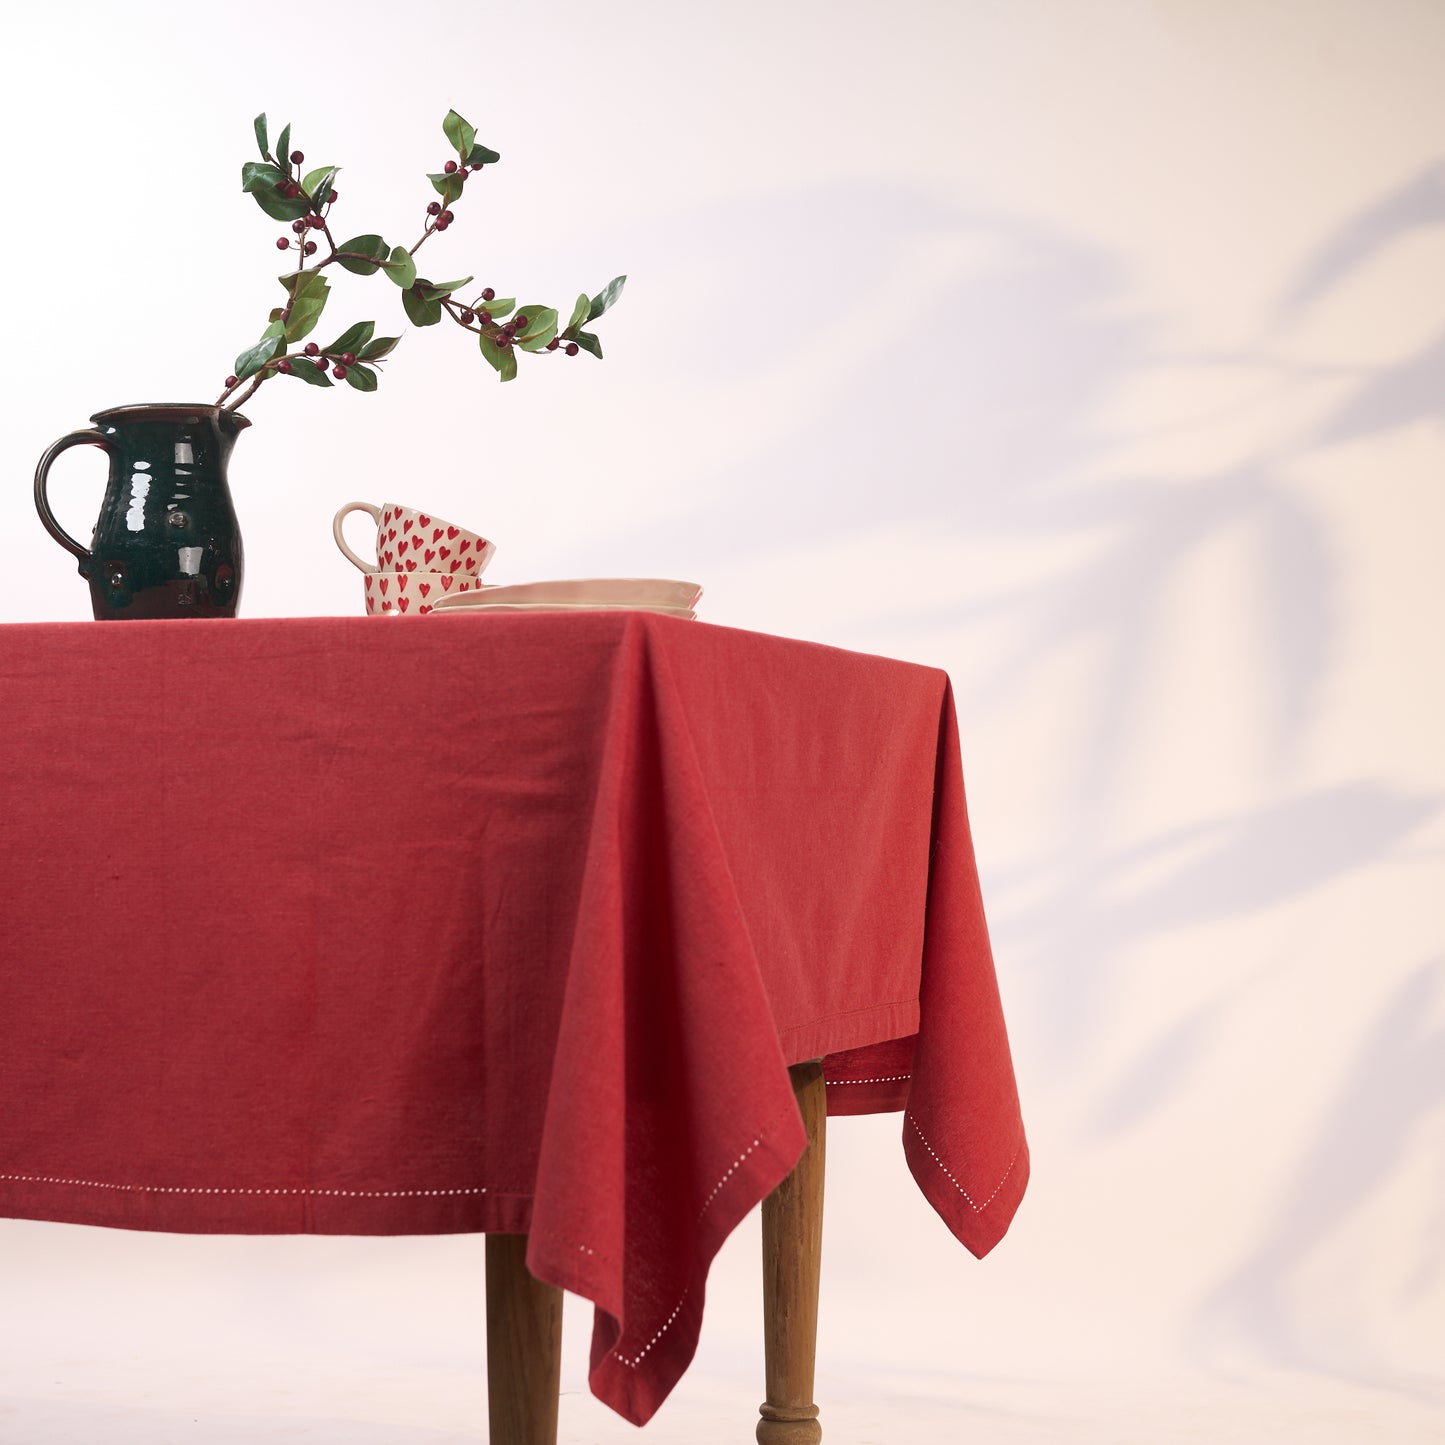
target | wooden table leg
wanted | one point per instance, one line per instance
(524, 1347)
(792, 1255)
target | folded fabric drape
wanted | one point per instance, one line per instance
(503, 923)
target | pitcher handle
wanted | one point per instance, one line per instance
(91, 438)
(341, 541)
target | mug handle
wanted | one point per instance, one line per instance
(90, 438)
(341, 541)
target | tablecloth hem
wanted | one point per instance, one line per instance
(977, 1223)
(617, 1379)
(264, 1212)
(857, 1029)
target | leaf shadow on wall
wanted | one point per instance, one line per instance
(1014, 373)
(1394, 1082)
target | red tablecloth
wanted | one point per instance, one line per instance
(498, 923)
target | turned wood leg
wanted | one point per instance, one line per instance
(524, 1347)
(792, 1254)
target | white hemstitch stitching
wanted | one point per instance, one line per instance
(196, 1189)
(732, 1169)
(667, 1324)
(637, 1359)
(977, 1208)
(886, 1079)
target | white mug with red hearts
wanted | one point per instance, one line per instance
(411, 541)
(397, 594)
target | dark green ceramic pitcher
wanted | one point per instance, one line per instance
(166, 543)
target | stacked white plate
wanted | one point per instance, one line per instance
(576, 594)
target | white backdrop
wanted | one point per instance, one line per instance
(1095, 353)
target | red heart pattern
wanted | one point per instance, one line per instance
(426, 584)
(402, 544)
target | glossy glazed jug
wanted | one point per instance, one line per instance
(167, 543)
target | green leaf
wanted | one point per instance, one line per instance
(580, 313)
(375, 350)
(250, 361)
(588, 342)
(606, 297)
(460, 134)
(261, 178)
(445, 287)
(449, 188)
(495, 309)
(279, 207)
(312, 375)
(423, 309)
(541, 327)
(401, 268)
(304, 316)
(260, 124)
(318, 184)
(502, 358)
(297, 283)
(275, 328)
(283, 147)
(480, 155)
(370, 246)
(306, 310)
(256, 175)
(363, 378)
(352, 339)
(306, 292)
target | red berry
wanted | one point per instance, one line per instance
(442, 223)
(489, 294)
(462, 172)
(468, 317)
(331, 198)
(520, 323)
(283, 184)
(231, 380)
(312, 349)
(571, 348)
(486, 318)
(298, 226)
(348, 359)
(552, 344)
(311, 248)
(284, 367)
(448, 217)
(435, 209)
(502, 339)
(450, 168)
(315, 222)
(321, 365)
(293, 190)
(297, 158)
(339, 372)
(283, 243)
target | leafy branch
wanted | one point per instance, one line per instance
(285, 194)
